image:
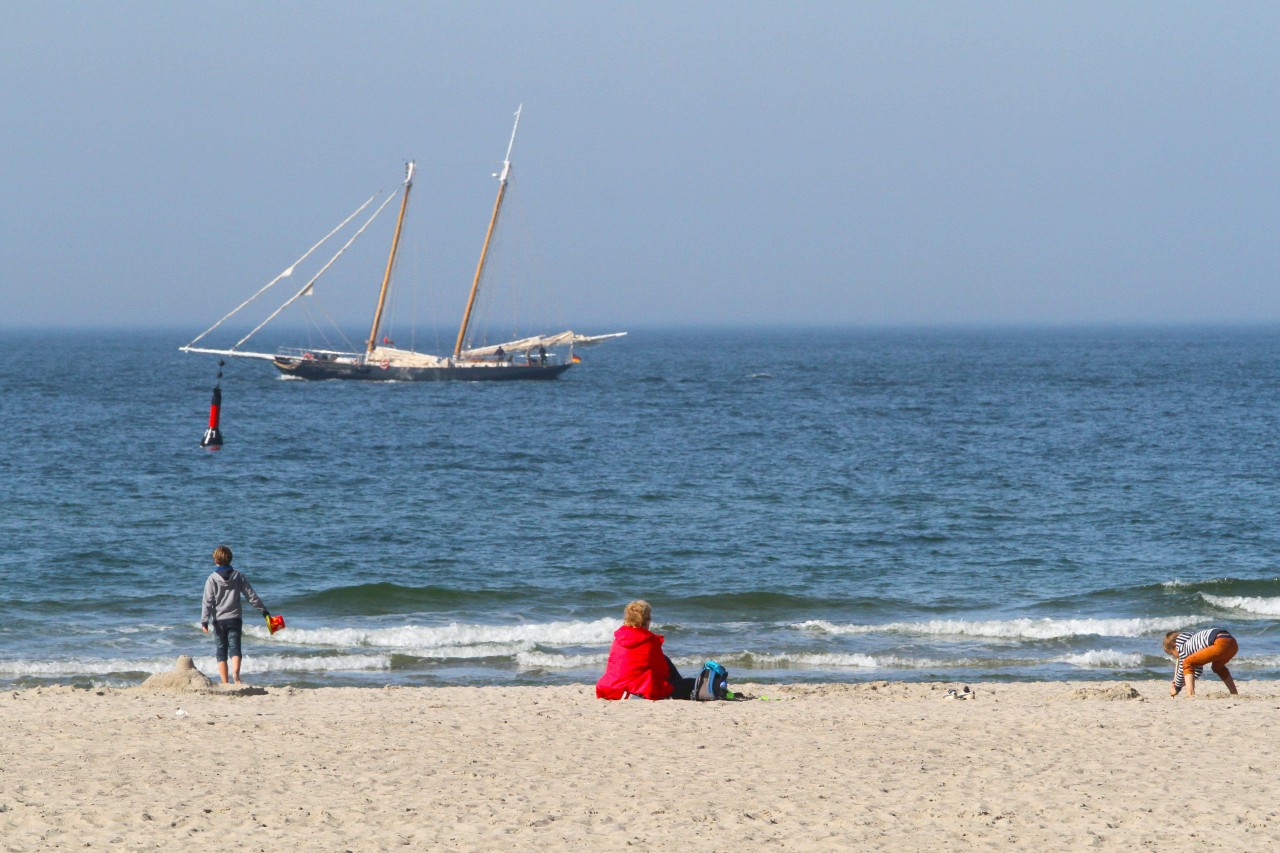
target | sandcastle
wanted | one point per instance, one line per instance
(185, 678)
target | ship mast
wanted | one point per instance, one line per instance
(391, 259)
(493, 222)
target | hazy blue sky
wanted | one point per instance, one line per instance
(849, 163)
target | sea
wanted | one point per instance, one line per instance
(802, 505)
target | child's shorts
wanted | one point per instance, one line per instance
(1223, 649)
(227, 632)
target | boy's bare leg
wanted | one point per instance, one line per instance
(1225, 675)
(222, 670)
(235, 669)
(1191, 682)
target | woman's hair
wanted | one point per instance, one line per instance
(637, 614)
(222, 555)
(1171, 643)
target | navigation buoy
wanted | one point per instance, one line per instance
(213, 435)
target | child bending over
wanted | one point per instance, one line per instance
(1191, 650)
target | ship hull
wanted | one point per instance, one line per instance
(316, 369)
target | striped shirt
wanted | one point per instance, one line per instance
(1190, 642)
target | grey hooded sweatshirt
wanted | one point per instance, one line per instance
(222, 595)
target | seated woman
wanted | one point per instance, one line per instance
(637, 666)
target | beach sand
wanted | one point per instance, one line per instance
(1044, 766)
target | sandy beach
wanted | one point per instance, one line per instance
(1036, 766)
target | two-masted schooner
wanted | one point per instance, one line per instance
(533, 357)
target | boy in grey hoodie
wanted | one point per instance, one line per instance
(222, 607)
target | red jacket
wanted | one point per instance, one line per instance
(636, 665)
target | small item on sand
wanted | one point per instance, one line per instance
(180, 713)
(274, 623)
(961, 694)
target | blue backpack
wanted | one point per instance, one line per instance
(711, 684)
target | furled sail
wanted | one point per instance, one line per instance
(545, 341)
(404, 358)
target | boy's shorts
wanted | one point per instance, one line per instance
(1223, 649)
(227, 632)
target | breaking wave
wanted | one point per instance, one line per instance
(1102, 659)
(821, 660)
(546, 660)
(427, 641)
(1259, 605)
(207, 665)
(1032, 629)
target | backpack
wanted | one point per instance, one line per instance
(711, 684)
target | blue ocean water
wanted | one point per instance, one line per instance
(811, 505)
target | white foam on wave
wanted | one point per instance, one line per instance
(823, 660)
(313, 663)
(1102, 659)
(90, 666)
(1261, 606)
(548, 660)
(484, 650)
(1181, 584)
(207, 665)
(457, 639)
(1013, 629)
(827, 660)
(747, 661)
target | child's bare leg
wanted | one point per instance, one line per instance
(1225, 674)
(235, 669)
(1191, 682)
(222, 670)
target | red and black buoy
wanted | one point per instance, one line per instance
(213, 435)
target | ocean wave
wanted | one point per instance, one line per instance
(1157, 595)
(482, 650)
(829, 660)
(751, 661)
(1181, 584)
(1102, 659)
(425, 641)
(207, 665)
(1259, 605)
(378, 599)
(1226, 586)
(87, 666)
(757, 602)
(1032, 629)
(304, 663)
(548, 660)
(142, 628)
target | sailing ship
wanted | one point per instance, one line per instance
(529, 357)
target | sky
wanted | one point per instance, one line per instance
(719, 163)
